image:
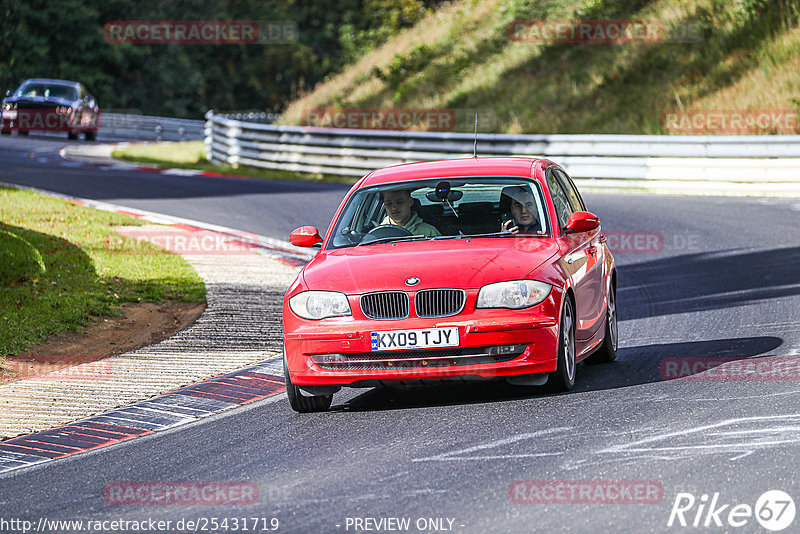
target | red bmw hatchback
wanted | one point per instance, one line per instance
(469, 269)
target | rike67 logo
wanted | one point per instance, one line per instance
(774, 510)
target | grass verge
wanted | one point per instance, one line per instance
(714, 55)
(191, 155)
(62, 266)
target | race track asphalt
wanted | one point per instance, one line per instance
(720, 279)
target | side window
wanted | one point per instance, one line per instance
(560, 200)
(574, 197)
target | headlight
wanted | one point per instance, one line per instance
(320, 304)
(9, 105)
(516, 294)
(63, 110)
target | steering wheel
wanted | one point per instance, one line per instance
(385, 230)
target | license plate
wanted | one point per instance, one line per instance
(424, 338)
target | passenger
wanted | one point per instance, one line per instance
(398, 212)
(523, 208)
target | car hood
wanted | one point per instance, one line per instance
(42, 102)
(454, 263)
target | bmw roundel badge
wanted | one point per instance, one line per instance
(412, 281)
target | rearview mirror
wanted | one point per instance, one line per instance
(582, 221)
(305, 236)
(449, 196)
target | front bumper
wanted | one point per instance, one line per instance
(535, 330)
(47, 120)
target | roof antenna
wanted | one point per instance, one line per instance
(475, 146)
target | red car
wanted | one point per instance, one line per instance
(468, 269)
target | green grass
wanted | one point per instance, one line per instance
(184, 153)
(461, 57)
(191, 155)
(62, 266)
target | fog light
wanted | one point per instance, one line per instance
(506, 350)
(328, 358)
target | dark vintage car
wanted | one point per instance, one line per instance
(41, 104)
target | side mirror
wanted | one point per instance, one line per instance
(582, 221)
(305, 236)
(8, 93)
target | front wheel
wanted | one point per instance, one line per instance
(608, 350)
(301, 402)
(563, 378)
(90, 136)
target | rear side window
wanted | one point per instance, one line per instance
(560, 199)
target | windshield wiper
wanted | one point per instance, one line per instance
(462, 236)
(393, 239)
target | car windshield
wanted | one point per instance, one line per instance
(442, 208)
(44, 90)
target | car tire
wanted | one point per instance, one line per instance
(5, 132)
(72, 136)
(563, 378)
(607, 352)
(90, 136)
(23, 132)
(300, 402)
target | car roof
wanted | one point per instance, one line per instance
(491, 166)
(50, 80)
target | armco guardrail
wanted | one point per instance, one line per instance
(746, 165)
(146, 128)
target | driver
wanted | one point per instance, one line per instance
(398, 212)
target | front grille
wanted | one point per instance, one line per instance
(439, 302)
(385, 305)
(416, 359)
